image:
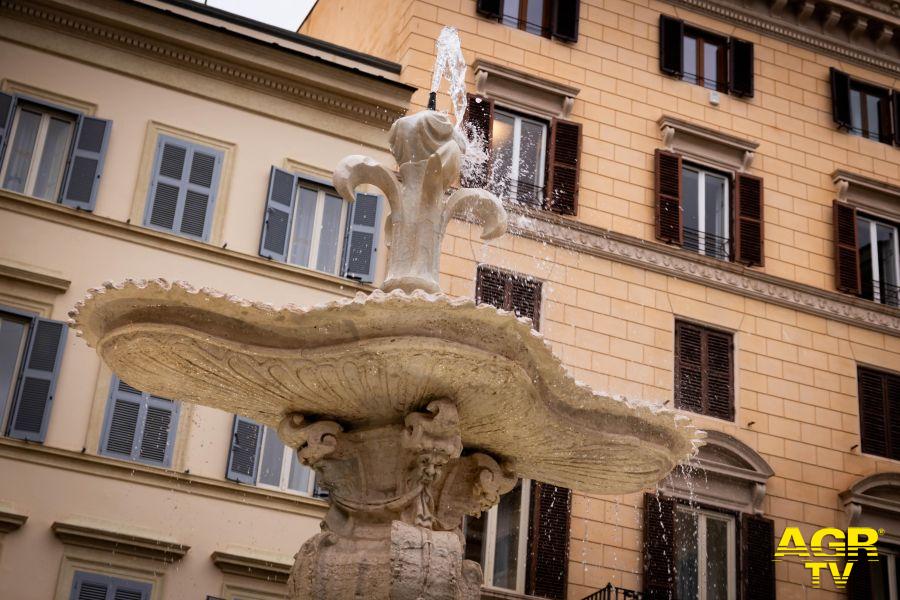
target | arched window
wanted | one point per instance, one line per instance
(874, 501)
(704, 535)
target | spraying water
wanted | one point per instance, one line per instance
(450, 64)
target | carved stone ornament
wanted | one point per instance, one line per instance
(413, 407)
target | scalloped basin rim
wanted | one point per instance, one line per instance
(376, 357)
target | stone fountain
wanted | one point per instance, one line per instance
(414, 408)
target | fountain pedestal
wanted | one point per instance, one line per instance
(398, 495)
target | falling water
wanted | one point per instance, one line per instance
(450, 64)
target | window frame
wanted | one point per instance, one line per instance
(703, 38)
(285, 474)
(728, 196)
(47, 111)
(490, 541)
(873, 222)
(521, 20)
(704, 513)
(882, 94)
(6, 405)
(512, 192)
(322, 189)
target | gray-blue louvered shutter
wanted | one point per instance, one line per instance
(7, 108)
(37, 384)
(159, 422)
(120, 432)
(273, 242)
(243, 460)
(86, 163)
(94, 586)
(361, 240)
(183, 191)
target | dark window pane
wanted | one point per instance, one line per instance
(506, 551)
(686, 555)
(873, 130)
(710, 65)
(12, 345)
(474, 530)
(690, 59)
(690, 195)
(534, 15)
(717, 559)
(856, 104)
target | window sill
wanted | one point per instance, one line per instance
(88, 221)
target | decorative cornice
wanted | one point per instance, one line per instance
(102, 536)
(9, 520)
(689, 266)
(296, 89)
(87, 221)
(251, 563)
(706, 144)
(523, 90)
(871, 195)
(775, 20)
(29, 275)
(182, 483)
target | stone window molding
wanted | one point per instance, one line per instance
(523, 91)
(726, 473)
(10, 518)
(874, 501)
(253, 563)
(870, 195)
(703, 145)
(120, 539)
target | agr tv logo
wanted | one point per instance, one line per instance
(830, 545)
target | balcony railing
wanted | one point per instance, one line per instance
(886, 293)
(611, 592)
(707, 243)
(522, 192)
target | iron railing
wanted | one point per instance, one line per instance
(886, 293)
(707, 243)
(522, 192)
(611, 592)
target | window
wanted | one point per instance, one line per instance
(519, 145)
(529, 162)
(867, 255)
(703, 59)
(703, 370)
(879, 260)
(93, 586)
(549, 18)
(879, 412)
(498, 539)
(705, 212)
(30, 357)
(51, 153)
(693, 210)
(183, 189)
(865, 109)
(882, 577)
(259, 457)
(704, 554)
(309, 225)
(518, 293)
(139, 427)
(707, 59)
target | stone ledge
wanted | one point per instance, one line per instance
(254, 564)
(9, 519)
(705, 144)
(115, 538)
(27, 274)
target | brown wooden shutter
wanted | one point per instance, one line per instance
(859, 585)
(879, 412)
(564, 20)
(846, 252)
(668, 197)
(718, 388)
(490, 8)
(479, 117)
(548, 541)
(886, 132)
(840, 98)
(671, 45)
(895, 102)
(749, 230)
(659, 547)
(688, 366)
(740, 66)
(563, 157)
(509, 291)
(757, 549)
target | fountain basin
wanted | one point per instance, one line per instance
(374, 359)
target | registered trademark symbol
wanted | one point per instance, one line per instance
(881, 532)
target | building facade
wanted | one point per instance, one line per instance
(704, 202)
(706, 197)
